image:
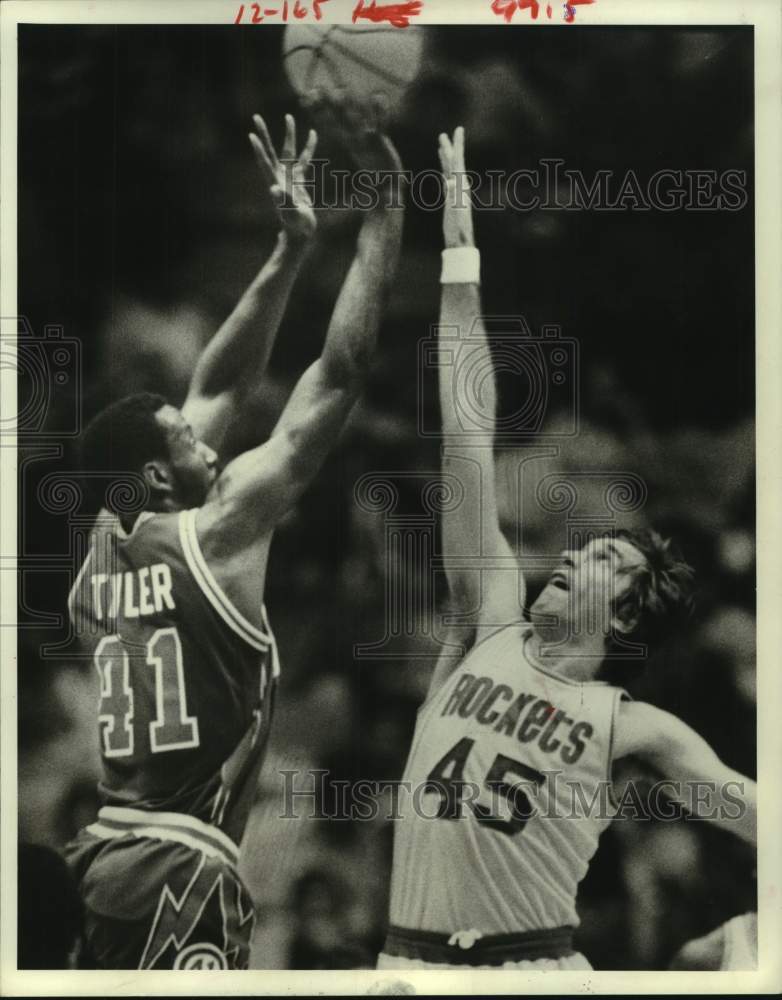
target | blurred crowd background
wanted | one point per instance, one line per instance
(142, 217)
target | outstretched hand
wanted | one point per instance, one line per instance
(457, 213)
(285, 176)
(368, 144)
(359, 127)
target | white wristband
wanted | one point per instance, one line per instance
(461, 266)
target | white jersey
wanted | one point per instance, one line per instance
(509, 774)
(740, 943)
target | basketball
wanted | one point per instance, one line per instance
(358, 61)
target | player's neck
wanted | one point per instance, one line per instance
(575, 657)
(154, 505)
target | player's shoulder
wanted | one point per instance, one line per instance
(108, 522)
(514, 630)
(150, 523)
(461, 641)
(156, 535)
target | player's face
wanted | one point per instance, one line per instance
(193, 464)
(582, 590)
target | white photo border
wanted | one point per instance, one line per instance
(766, 17)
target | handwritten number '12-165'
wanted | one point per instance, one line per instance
(257, 14)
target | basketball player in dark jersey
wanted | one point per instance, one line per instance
(169, 601)
(514, 744)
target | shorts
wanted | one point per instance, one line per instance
(533, 950)
(160, 891)
(567, 963)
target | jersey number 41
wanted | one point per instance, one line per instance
(172, 728)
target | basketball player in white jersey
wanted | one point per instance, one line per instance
(733, 947)
(511, 759)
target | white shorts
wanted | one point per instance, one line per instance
(574, 962)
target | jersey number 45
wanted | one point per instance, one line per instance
(447, 779)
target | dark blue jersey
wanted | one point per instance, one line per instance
(186, 682)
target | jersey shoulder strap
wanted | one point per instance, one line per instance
(259, 638)
(175, 535)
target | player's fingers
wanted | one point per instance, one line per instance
(445, 151)
(262, 158)
(442, 153)
(389, 150)
(289, 142)
(458, 149)
(309, 148)
(265, 139)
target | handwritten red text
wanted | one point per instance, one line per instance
(397, 14)
(254, 13)
(507, 8)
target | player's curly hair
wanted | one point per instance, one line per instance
(119, 440)
(662, 596)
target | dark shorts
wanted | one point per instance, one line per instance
(160, 893)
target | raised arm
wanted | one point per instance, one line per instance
(259, 486)
(236, 357)
(699, 778)
(483, 575)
